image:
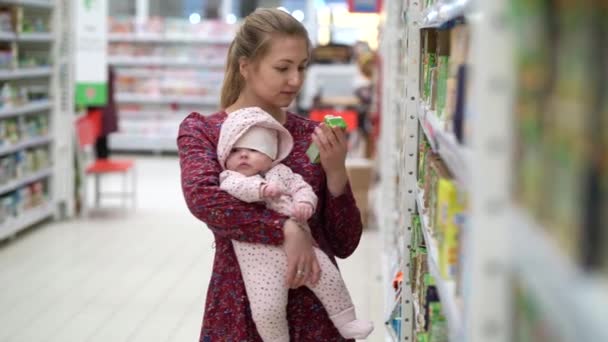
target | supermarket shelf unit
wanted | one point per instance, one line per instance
(28, 119)
(500, 240)
(398, 303)
(149, 68)
(468, 318)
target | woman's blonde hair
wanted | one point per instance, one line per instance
(252, 41)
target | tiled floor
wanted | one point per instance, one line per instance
(134, 276)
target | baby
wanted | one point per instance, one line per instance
(251, 146)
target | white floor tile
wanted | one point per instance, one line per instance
(136, 275)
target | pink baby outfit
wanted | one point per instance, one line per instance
(264, 266)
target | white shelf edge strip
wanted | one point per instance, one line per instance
(26, 72)
(25, 144)
(446, 288)
(29, 107)
(28, 218)
(456, 157)
(443, 11)
(35, 36)
(16, 184)
(162, 62)
(7, 36)
(33, 3)
(168, 38)
(558, 283)
(126, 98)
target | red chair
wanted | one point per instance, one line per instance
(88, 129)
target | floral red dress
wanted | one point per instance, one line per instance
(336, 226)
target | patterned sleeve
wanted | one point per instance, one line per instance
(342, 222)
(224, 214)
(244, 188)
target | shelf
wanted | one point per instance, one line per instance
(25, 73)
(7, 36)
(160, 38)
(16, 184)
(35, 37)
(456, 156)
(137, 98)
(29, 218)
(26, 144)
(394, 314)
(556, 282)
(30, 3)
(145, 115)
(135, 142)
(444, 11)
(154, 61)
(446, 288)
(31, 107)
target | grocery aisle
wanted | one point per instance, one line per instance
(134, 276)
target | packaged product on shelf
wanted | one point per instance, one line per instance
(443, 65)
(422, 337)
(120, 24)
(431, 299)
(450, 209)
(459, 44)
(37, 92)
(572, 103)
(438, 330)
(428, 62)
(8, 95)
(37, 193)
(533, 56)
(427, 179)
(438, 172)
(6, 58)
(6, 20)
(30, 19)
(423, 150)
(12, 134)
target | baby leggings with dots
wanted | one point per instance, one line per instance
(263, 268)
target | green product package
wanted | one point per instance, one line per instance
(331, 121)
(442, 84)
(428, 75)
(423, 337)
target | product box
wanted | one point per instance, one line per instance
(359, 171)
(449, 207)
(428, 62)
(438, 172)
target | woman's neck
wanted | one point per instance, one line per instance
(244, 102)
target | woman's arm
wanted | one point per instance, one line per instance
(342, 218)
(225, 215)
(342, 222)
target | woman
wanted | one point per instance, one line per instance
(265, 68)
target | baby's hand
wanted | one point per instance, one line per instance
(302, 211)
(271, 190)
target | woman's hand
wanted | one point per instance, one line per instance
(302, 265)
(332, 146)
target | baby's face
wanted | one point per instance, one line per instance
(248, 162)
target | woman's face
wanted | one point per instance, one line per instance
(276, 78)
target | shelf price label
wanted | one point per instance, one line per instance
(91, 52)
